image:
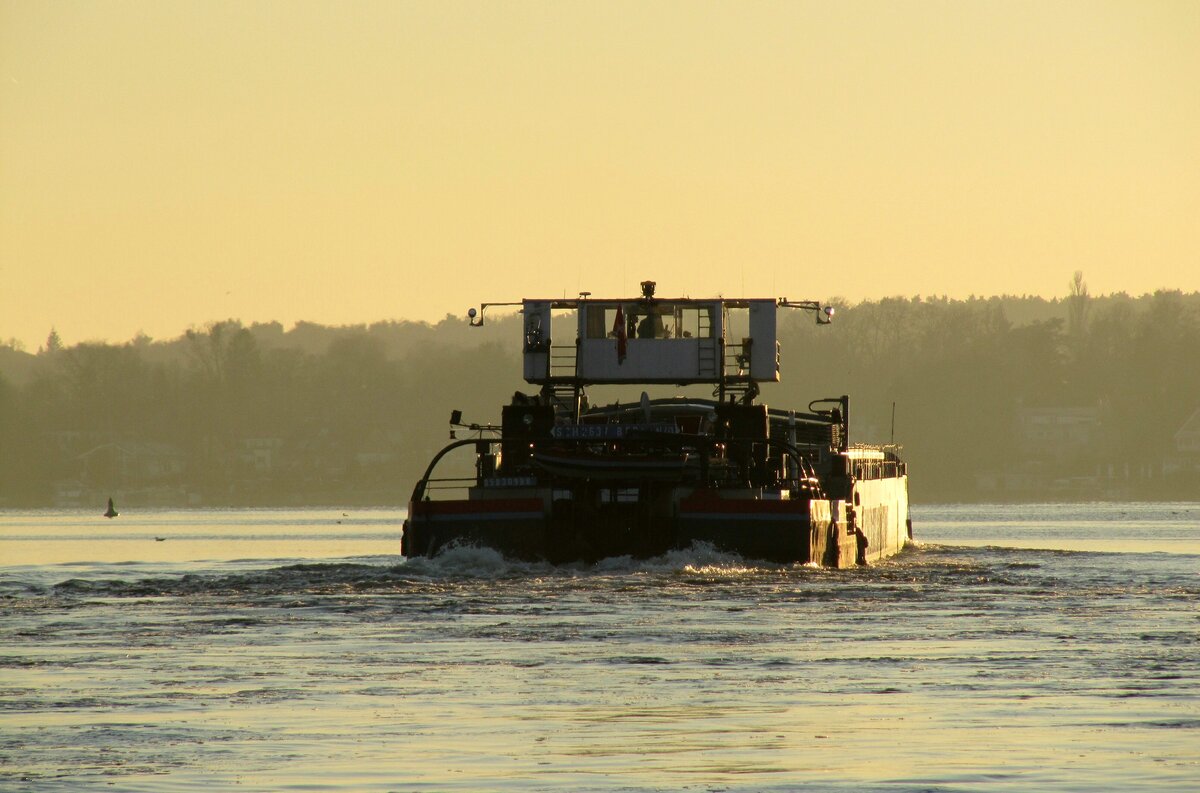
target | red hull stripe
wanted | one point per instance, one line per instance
(484, 506)
(479, 517)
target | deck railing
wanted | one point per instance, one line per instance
(562, 360)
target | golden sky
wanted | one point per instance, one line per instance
(168, 163)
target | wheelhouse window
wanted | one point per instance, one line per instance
(660, 321)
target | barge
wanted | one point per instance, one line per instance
(563, 480)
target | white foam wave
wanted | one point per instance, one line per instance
(468, 561)
(474, 561)
(699, 558)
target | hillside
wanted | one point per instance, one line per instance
(1004, 398)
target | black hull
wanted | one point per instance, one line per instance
(587, 524)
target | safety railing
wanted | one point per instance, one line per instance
(562, 360)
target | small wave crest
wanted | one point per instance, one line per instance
(705, 560)
(471, 561)
(455, 563)
(286, 579)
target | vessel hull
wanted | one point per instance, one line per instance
(541, 526)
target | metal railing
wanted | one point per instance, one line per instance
(562, 360)
(423, 485)
(737, 360)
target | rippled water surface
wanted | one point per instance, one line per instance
(1013, 648)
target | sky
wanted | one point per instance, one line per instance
(168, 164)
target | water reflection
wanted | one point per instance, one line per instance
(65, 537)
(949, 667)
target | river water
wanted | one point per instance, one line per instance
(1034, 647)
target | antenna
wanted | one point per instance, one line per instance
(893, 440)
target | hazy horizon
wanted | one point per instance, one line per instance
(500, 312)
(164, 165)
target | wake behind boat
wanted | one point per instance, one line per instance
(562, 480)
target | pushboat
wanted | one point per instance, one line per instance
(562, 480)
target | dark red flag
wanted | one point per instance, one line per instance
(622, 336)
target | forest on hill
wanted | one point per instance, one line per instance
(1000, 398)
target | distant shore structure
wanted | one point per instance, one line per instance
(111, 512)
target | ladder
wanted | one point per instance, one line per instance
(708, 346)
(564, 397)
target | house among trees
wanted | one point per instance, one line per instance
(117, 465)
(1187, 437)
(147, 471)
(259, 455)
(1057, 433)
(1056, 449)
(1184, 465)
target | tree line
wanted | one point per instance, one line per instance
(256, 415)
